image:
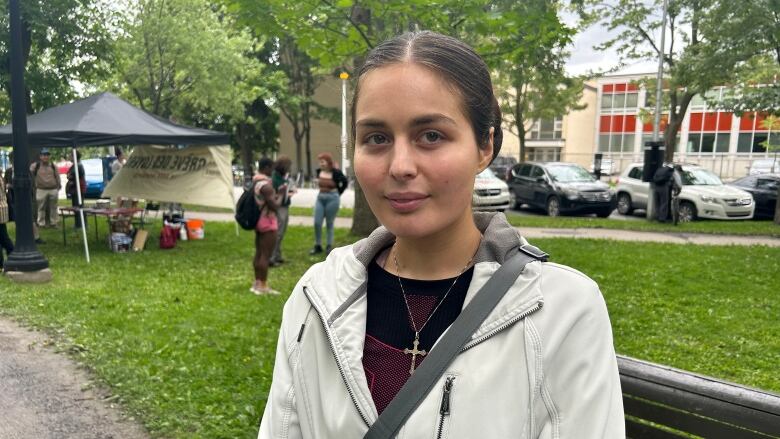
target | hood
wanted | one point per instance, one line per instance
(490, 183)
(717, 191)
(585, 186)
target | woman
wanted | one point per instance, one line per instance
(266, 200)
(5, 240)
(425, 123)
(281, 182)
(332, 184)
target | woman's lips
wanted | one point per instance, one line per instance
(406, 202)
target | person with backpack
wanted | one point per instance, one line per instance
(46, 181)
(70, 187)
(266, 227)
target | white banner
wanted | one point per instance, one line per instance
(195, 175)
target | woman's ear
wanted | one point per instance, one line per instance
(486, 152)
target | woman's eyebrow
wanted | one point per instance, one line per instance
(432, 118)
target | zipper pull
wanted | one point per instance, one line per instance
(445, 399)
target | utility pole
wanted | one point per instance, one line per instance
(25, 263)
(656, 147)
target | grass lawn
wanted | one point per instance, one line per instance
(189, 351)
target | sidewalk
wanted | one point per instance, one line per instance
(45, 395)
(537, 232)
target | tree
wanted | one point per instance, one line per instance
(186, 60)
(527, 54)
(692, 64)
(57, 52)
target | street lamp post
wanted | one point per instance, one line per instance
(656, 147)
(344, 160)
(25, 263)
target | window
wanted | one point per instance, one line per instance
(525, 170)
(722, 142)
(707, 142)
(619, 100)
(632, 100)
(758, 140)
(547, 129)
(745, 142)
(635, 172)
(604, 142)
(746, 182)
(767, 184)
(694, 140)
(628, 142)
(606, 101)
(537, 172)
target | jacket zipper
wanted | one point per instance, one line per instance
(335, 357)
(506, 325)
(444, 409)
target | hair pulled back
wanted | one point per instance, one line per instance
(457, 64)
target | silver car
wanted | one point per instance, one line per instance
(490, 192)
(703, 195)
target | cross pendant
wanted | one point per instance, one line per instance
(414, 352)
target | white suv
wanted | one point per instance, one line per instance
(703, 195)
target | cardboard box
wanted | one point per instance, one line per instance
(140, 240)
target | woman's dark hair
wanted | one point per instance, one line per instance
(459, 66)
(282, 164)
(265, 164)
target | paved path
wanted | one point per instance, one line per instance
(537, 232)
(44, 395)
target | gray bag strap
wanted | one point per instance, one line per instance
(459, 333)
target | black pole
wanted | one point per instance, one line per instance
(25, 257)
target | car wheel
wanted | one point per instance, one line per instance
(513, 203)
(604, 213)
(687, 212)
(624, 204)
(553, 206)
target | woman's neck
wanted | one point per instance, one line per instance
(439, 256)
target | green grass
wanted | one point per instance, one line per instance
(189, 351)
(747, 227)
(344, 212)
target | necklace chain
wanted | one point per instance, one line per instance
(403, 291)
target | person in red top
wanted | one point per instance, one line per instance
(265, 239)
(332, 183)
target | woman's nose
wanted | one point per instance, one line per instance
(403, 165)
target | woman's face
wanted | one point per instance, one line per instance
(324, 165)
(415, 152)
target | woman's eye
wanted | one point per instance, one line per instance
(431, 137)
(376, 139)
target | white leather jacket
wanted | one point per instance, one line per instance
(542, 365)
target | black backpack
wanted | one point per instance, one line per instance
(247, 213)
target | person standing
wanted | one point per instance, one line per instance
(11, 197)
(46, 181)
(5, 240)
(281, 183)
(359, 324)
(265, 232)
(70, 187)
(332, 183)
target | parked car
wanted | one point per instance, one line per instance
(763, 187)
(607, 167)
(560, 187)
(764, 166)
(501, 166)
(703, 195)
(490, 192)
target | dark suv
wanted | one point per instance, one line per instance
(559, 188)
(501, 165)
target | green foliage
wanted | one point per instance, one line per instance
(187, 60)
(193, 358)
(527, 52)
(64, 41)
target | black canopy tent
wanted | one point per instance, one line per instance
(105, 119)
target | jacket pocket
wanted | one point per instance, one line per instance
(445, 408)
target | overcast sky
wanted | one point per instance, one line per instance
(584, 59)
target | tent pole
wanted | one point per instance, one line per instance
(80, 203)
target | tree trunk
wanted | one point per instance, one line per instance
(521, 138)
(245, 151)
(307, 137)
(363, 220)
